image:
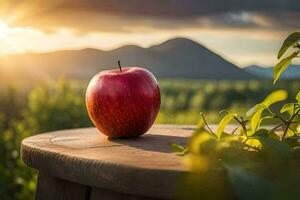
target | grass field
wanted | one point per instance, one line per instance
(183, 100)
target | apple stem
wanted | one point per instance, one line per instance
(119, 63)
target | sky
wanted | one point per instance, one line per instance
(244, 32)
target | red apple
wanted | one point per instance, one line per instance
(123, 103)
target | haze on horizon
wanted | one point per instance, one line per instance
(248, 32)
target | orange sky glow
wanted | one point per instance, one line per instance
(244, 37)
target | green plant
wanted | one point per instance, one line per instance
(49, 107)
(258, 160)
(210, 96)
(292, 41)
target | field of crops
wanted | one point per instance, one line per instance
(183, 100)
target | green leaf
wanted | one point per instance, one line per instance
(275, 136)
(261, 132)
(268, 117)
(282, 65)
(292, 130)
(252, 110)
(293, 141)
(298, 97)
(226, 119)
(276, 151)
(288, 42)
(274, 97)
(179, 149)
(197, 141)
(224, 111)
(287, 107)
(225, 135)
(249, 186)
(256, 108)
(253, 142)
(255, 120)
(200, 125)
(266, 133)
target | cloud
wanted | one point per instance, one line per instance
(143, 15)
(244, 31)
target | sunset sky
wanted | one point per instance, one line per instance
(245, 32)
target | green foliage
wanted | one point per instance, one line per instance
(55, 107)
(15, 183)
(242, 181)
(287, 107)
(179, 149)
(298, 97)
(250, 156)
(283, 64)
(226, 119)
(211, 96)
(291, 41)
(49, 107)
(266, 139)
(256, 112)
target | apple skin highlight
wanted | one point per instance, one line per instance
(123, 103)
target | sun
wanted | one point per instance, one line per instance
(3, 30)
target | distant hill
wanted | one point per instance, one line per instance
(175, 58)
(293, 72)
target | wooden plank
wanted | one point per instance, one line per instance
(51, 188)
(146, 151)
(140, 166)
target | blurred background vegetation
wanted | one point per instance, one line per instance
(60, 105)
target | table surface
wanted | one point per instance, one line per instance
(142, 165)
(150, 151)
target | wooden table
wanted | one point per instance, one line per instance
(84, 164)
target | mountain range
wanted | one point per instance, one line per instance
(175, 58)
(292, 72)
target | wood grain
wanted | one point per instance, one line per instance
(140, 166)
(51, 188)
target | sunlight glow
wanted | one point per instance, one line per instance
(261, 46)
(4, 29)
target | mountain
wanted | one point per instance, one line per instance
(175, 58)
(292, 72)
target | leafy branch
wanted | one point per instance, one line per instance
(292, 41)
